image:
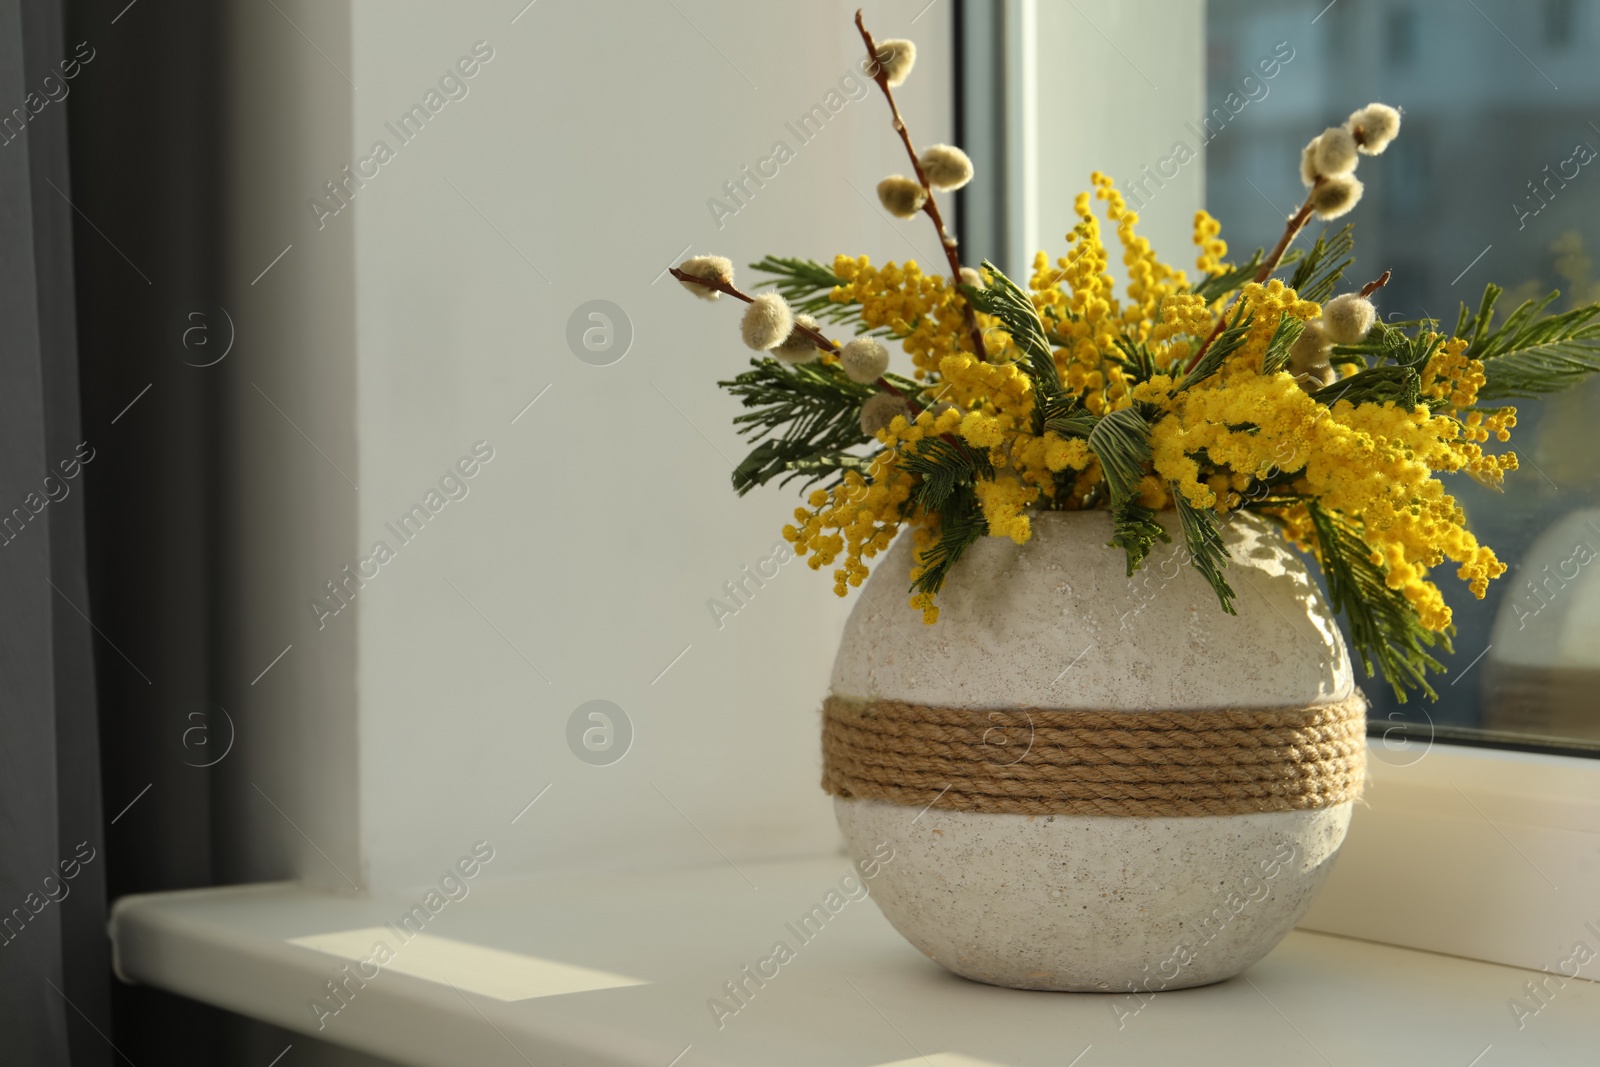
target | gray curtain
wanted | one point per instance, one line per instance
(54, 993)
(148, 144)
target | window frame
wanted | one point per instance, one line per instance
(1488, 853)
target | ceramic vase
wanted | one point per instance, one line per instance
(1035, 634)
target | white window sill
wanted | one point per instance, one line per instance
(854, 996)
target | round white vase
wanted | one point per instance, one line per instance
(1095, 902)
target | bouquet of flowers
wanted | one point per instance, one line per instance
(1250, 387)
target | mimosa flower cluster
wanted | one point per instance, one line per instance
(1255, 386)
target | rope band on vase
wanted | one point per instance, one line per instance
(1131, 763)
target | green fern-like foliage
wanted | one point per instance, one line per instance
(1069, 418)
(1203, 538)
(1277, 354)
(1138, 362)
(1121, 441)
(799, 415)
(825, 464)
(1530, 353)
(1007, 302)
(1317, 273)
(1134, 529)
(944, 465)
(1396, 374)
(1227, 343)
(961, 523)
(807, 285)
(1384, 627)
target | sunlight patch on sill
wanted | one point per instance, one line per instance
(489, 972)
(942, 1059)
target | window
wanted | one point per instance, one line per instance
(1485, 183)
(1402, 36)
(1559, 19)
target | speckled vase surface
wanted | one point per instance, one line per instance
(1107, 903)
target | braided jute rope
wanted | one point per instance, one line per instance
(1146, 763)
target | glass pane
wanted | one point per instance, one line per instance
(1493, 178)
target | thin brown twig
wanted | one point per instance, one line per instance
(720, 286)
(931, 204)
(1377, 283)
(815, 337)
(1291, 230)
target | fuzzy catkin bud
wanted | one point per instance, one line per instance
(797, 347)
(767, 321)
(1308, 357)
(1336, 152)
(1317, 377)
(864, 360)
(712, 268)
(1348, 318)
(971, 276)
(1334, 196)
(1310, 349)
(1308, 163)
(1377, 124)
(896, 56)
(880, 410)
(902, 197)
(946, 166)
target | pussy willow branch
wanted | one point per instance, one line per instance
(931, 205)
(811, 335)
(1291, 230)
(1377, 283)
(726, 287)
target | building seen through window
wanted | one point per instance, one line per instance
(1496, 175)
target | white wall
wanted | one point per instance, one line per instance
(1116, 81)
(422, 318)
(293, 378)
(426, 314)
